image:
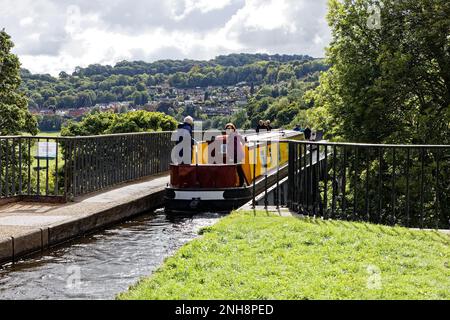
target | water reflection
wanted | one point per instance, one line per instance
(101, 265)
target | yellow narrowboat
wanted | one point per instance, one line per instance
(212, 182)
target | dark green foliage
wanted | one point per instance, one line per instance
(51, 123)
(109, 123)
(390, 84)
(283, 104)
(14, 115)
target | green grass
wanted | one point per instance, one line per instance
(251, 255)
(46, 134)
(49, 134)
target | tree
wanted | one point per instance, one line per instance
(389, 83)
(67, 101)
(38, 99)
(252, 89)
(63, 75)
(240, 119)
(141, 86)
(85, 99)
(108, 122)
(139, 98)
(286, 73)
(51, 102)
(50, 123)
(14, 115)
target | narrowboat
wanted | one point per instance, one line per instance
(219, 186)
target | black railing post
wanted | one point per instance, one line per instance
(20, 166)
(408, 155)
(56, 189)
(7, 182)
(355, 182)
(277, 193)
(29, 190)
(394, 199)
(333, 204)
(75, 168)
(344, 184)
(300, 174)
(47, 165)
(437, 194)
(316, 181)
(66, 167)
(367, 195)
(13, 167)
(1, 168)
(310, 199)
(325, 190)
(38, 170)
(298, 177)
(380, 183)
(291, 175)
(266, 164)
(422, 169)
(255, 146)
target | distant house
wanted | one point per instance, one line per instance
(241, 103)
(77, 112)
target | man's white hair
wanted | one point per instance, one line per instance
(189, 120)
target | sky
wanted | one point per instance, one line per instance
(58, 35)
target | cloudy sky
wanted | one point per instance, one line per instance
(55, 35)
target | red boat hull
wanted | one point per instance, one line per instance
(204, 176)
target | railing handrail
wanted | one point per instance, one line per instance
(372, 145)
(85, 137)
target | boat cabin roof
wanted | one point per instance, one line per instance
(276, 134)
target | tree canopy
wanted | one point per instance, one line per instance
(14, 115)
(97, 123)
(387, 84)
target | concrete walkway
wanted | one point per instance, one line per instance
(281, 211)
(27, 227)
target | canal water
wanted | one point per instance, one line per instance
(104, 264)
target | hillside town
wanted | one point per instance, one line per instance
(210, 101)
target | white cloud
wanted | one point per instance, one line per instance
(26, 21)
(204, 6)
(265, 15)
(52, 36)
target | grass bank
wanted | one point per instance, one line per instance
(251, 255)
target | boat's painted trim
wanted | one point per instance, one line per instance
(201, 195)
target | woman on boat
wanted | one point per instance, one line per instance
(235, 150)
(268, 126)
(261, 126)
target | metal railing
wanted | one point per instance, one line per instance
(60, 168)
(407, 185)
(27, 169)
